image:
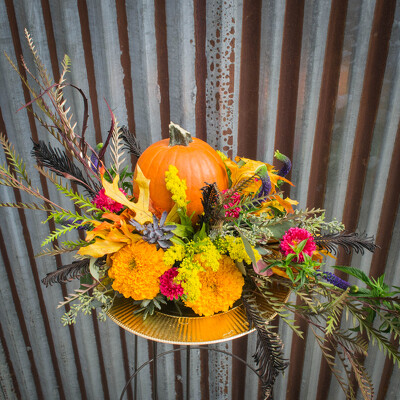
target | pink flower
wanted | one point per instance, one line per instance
(168, 287)
(293, 237)
(104, 202)
(232, 210)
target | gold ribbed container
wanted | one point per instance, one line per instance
(165, 327)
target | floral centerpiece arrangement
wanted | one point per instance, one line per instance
(189, 226)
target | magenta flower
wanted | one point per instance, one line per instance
(232, 211)
(293, 237)
(104, 202)
(168, 287)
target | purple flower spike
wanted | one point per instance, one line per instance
(287, 166)
(335, 280)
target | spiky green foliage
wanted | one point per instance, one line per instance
(58, 232)
(15, 161)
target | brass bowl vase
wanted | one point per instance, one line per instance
(167, 326)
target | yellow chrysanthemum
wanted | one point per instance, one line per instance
(176, 186)
(136, 270)
(219, 289)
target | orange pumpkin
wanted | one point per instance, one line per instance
(197, 162)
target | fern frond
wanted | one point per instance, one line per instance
(38, 62)
(269, 351)
(375, 336)
(78, 199)
(67, 273)
(29, 206)
(17, 164)
(55, 250)
(348, 241)
(131, 144)
(58, 232)
(78, 293)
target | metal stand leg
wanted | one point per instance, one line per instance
(188, 348)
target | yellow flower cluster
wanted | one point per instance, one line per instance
(208, 254)
(235, 247)
(219, 289)
(173, 254)
(188, 277)
(136, 270)
(176, 186)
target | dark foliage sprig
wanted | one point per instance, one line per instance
(349, 241)
(269, 351)
(67, 273)
(211, 201)
(131, 143)
(58, 162)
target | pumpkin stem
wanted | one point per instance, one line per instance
(178, 136)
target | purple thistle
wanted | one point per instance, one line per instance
(287, 166)
(334, 280)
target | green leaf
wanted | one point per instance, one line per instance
(357, 273)
(201, 234)
(248, 248)
(279, 230)
(240, 267)
(183, 231)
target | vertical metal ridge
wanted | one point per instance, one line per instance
(51, 42)
(43, 309)
(20, 315)
(289, 79)
(152, 355)
(9, 361)
(178, 371)
(391, 201)
(285, 125)
(125, 360)
(200, 11)
(387, 372)
(204, 377)
(239, 348)
(249, 79)
(160, 24)
(370, 97)
(89, 61)
(322, 144)
(122, 23)
(327, 104)
(104, 382)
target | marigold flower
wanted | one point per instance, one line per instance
(136, 270)
(293, 237)
(168, 287)
(219, 289)
(104, 202)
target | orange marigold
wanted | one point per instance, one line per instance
(136, 270)
(219, 289)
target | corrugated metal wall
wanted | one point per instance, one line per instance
(317, 79)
